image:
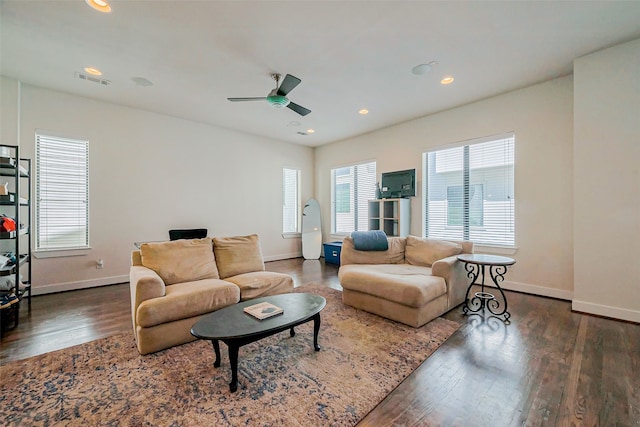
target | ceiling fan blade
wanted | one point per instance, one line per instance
(288, 84)
(298, 109)
(260, 98)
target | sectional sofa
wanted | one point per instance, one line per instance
(412, 282)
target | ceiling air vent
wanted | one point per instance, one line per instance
(94, 79)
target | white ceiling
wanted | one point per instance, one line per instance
(349, 55)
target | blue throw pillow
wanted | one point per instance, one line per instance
(374, 240)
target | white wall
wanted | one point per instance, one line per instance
(8, 111)
(541, 117)
(577, 178)
(606, 207)
(150, 173)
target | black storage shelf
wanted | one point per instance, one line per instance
(8, 165)
(4, 235)
(10, 200)
(11, 269)
(16, 206)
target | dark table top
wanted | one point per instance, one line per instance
(482, 259)
(232, 322)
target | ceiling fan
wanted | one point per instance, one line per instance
(277, 98)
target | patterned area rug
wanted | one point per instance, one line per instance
(282, 380)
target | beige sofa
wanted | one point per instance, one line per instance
(175, 283)
(412, 282)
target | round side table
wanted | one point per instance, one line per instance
(475, 265)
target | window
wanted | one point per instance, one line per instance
(352, 188)
(469, 192)
(455, 205)
(290, 200)
(62, 193)
(343, 198)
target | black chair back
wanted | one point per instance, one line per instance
(193, 233)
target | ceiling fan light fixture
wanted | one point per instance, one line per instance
(277, 101)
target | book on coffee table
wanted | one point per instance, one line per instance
(263, 310)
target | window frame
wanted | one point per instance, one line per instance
(41, 248)
(298, 202)
(360, 213)
(507, 243)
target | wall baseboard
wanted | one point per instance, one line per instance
(537, 290)
(82, 284)
(606, 311)
(282, 256)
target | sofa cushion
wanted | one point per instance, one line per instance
(238, 255)
(425, 252)
(180, 260)
(393, 255)
(261, 284)
(188, 299)
(409, 285)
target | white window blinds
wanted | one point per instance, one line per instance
(469, 192)
(352, 188)
(290, 200)
(62, 193)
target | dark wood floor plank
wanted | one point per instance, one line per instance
(548, 367)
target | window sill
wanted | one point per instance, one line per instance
(496, 250)
(338, 236)
(291, 235)
(59, 253)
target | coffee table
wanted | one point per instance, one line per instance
(235, 328)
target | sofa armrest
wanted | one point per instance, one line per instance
(455, 275)
(144, 284)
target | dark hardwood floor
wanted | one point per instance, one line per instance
(548, 367)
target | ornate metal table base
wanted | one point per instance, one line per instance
(478, 301)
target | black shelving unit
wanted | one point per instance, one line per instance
(16, 171)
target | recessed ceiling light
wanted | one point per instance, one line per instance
(294, 123)
(446, 80)
(311, 130)
(363, 111)
(99, 5)
(93, 71)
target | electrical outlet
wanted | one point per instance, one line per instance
(100, 264)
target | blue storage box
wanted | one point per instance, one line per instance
(332, 252)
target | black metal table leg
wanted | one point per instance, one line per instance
(233, 358)
(473, 271)
(316, 330)
(497, 273)
(216, 349)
